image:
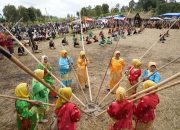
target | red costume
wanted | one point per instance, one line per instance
(145, 111)
(9, 44)
(2, 40)
(134, 75)
(67, 116)
(122, 112)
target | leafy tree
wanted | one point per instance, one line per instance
(23, 12)
(98, 10)
(10, 13)
(132, 4)
(105, 8)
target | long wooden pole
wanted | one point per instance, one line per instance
(87, 73)
(131, 68)
(41, 64)
(106, 72)
(27, 70)
(16, 24)
(28, 100)
(151, 92)
(156, 86)
(75, 74)
(157, 90)
(158, 40)
(148, 77)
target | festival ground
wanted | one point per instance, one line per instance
(168, 111)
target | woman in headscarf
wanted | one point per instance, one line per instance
(26, 114)
(121, 111)
(152, 70)
(47, 76)
(116, 68)
(133, 73)
(65, 64)
(145, 110)
(40, 93)
(81, 70)
(67, 113)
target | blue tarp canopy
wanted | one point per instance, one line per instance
(119, 17)
(171, 15)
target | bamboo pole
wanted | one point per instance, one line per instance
(131, 68)
(109, 64)
(82, 41)
(157, 90)
(75, 74)
(41, 64)
(152, 90)
(156, 86)
(106, 72)
(158, 40)
(27, 70)
(147, 77)
(16, 24)
(28, 100)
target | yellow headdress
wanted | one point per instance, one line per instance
(63, 52)
(22, 91)
(148, 84)
(120, 94)
(136, 63)
(39, 73)
(65, 92)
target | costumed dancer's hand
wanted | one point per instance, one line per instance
(144, 79)
(34, 110)
(126, 73)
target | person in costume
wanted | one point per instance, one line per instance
(64, 42)
(90, 34)
(47, 76)
(75, 41)
(145, 110)
(116, 67)
(102, 41)
(88, 41)
(151, 73)
(67, 113)
(121, 111)
(81, 70)
(65, 64)
(51, 44)
(40, 93)
(26, 113)
(108, 41)
(133, 73)
(95, 38)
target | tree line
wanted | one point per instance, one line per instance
(156, 6)
(31, 14)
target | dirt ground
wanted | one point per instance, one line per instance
(168, 111)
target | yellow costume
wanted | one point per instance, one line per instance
(116, 68)
(81, 70)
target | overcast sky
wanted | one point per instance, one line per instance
(61, 8)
